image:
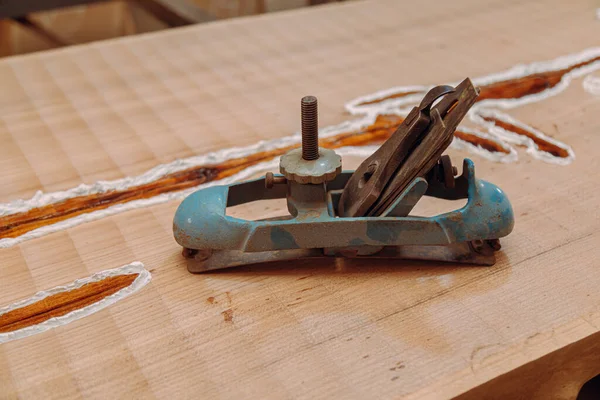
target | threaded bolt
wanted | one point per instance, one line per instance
(310, 128)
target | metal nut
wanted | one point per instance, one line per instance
(323, 169)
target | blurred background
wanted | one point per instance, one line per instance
(32, 25)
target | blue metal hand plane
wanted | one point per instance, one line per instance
(358, 214)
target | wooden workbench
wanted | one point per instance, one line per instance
(529, 325)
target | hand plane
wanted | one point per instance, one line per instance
(362, 213)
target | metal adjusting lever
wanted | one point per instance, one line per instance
(411, 152)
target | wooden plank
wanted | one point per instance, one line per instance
(527, 327)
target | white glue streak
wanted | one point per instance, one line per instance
(509, 157)
(514, 138)
(501, 137)
(516, 72)
(134, 268)
(369, 114)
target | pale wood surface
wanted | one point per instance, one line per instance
(307, 330)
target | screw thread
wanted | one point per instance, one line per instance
(310, 128)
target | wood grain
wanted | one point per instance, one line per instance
(526, 327)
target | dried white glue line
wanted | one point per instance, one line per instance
(507, 136)
(409, 96)
(140, 281)
(369, 112)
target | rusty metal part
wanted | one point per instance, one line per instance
(372, 176)
(443, 172)
(447, 170)
(477, 245)
(203, 254)
(311, 163)
(272, 180)
(409, 153)
(310, 128)
(485, 247)
(189, 253)
(494, 244)
(446, 116)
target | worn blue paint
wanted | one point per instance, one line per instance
(201, 222)
(282, 239)
(382, 233)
